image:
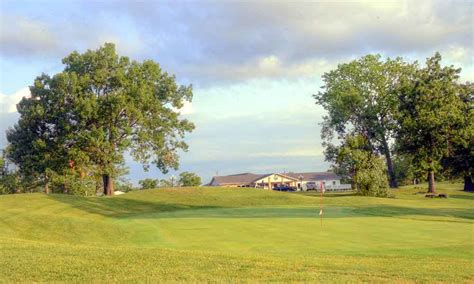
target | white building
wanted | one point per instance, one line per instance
(301, 181)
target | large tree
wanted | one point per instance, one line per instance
(37, 143)
(359, 98)
(110, 105)
(430, 115)
(460, 160)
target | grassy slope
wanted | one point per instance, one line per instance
(227, 234)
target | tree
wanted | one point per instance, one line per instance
(189, 179)
(356, 160)
(460, 161)
(359, 98)
(167, 183)
(405, 172)
(148, 183)
(38, 142)
(124, 185)
(430, 114)
(107, 105)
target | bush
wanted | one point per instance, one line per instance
(73, 184)
(148, 183)
(371, 178)
(14, 183)
(366, 169)
(124, 186)
(189, 179)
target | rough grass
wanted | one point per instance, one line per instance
(219, 234)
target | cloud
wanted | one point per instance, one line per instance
(33, 37)
(262, 67)
(7, 121)
(8, 102)
(211, 42)
(20, 36)
(299, 152)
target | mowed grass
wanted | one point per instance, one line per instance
(222, 234)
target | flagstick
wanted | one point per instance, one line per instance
(321, 205)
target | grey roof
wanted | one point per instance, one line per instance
(248, 178)
(314, 176)
(244, 178)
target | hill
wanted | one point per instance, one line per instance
(222, 234)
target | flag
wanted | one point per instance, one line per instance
(321, 212)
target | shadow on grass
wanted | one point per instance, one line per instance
(468, 197)
(328, 194)
(395, 211)
(138, 209)
(121, 207)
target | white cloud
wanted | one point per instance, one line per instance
(315, 151)
(263, 67)
(8, 102)
(19, 36)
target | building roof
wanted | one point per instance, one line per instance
(244, 178)
(247, 178)
(314, 176)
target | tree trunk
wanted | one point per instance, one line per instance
(431, 182)
(468, 185)
(46, 187)
(108, 184)
(391, 172)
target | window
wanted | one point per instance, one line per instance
(333, 182)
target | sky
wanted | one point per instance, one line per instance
(254, 65)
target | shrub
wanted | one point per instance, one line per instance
(366, 169)
(73, 184)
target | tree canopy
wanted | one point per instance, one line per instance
(189, 179)
(420, 117)
(99, 107)
(460, 161)
(356, 160)
(431, 116)
(148, 183)
(359, 99)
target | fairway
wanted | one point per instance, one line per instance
(223, 234)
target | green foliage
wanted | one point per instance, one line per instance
(430, 114)
(124, 185)
(73, 184)
(189, 179)
(148, 183)
(359, 98)
(405, 172)
(371, 179)
(460, 161)
(38, 143)
(98, 107)
(10, 183)
(167, 183)
(365, 169)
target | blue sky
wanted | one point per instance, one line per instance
(254, 65)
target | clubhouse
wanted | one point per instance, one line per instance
(301, 181)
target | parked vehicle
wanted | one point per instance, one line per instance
(284, 188)
(311, 185)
